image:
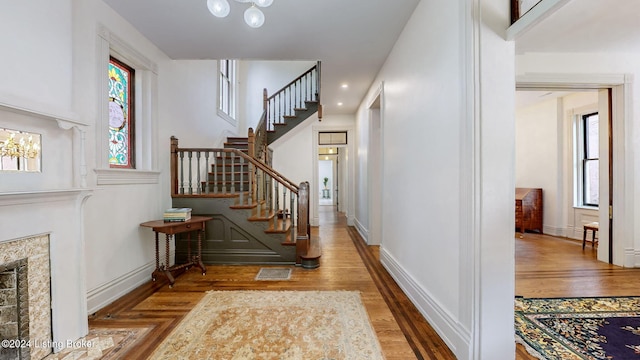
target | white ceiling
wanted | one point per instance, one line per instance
(352, 38)
(581, 26)
(586, 26)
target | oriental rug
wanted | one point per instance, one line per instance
(274, 325)
(579, 328)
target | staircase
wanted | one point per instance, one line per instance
(259, 216)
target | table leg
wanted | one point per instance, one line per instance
(189, 258)
(199, 262)
(166, 266)
(153, 274)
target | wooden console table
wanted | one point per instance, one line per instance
(170, 229)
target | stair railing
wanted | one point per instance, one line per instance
(284, 102)
(213, 172)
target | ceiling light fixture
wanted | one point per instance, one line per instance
(253, 16)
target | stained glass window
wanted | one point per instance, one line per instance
(121, 124)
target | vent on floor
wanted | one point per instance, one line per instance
(273, 274)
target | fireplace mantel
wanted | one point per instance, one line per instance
(65, 121)
(42, 196)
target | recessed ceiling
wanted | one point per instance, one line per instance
(352, 38)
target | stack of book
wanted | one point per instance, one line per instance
(177, 214)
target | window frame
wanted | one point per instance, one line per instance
(131, 151)
(227, 90)
(145, 104)
(583, 159)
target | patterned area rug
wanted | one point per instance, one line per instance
(103, 343)
(579, 328)
(274, 325)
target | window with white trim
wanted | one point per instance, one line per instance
(588, 163)
(142, 144)
(227, 89)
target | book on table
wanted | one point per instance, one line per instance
(177, 214)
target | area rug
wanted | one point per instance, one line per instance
(273, 274)
(102, 343)
(274, 325)
(579, 328)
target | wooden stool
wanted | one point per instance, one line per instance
(593, 226)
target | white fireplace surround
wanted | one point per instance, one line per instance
(57, 213)
(36, 250)
(51, 202)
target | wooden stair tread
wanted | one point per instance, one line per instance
(278, 229)
(261, 217)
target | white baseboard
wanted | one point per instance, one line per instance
(105, 294)
(443, 322)
(361, 230)
(631, 258)
(555, 231)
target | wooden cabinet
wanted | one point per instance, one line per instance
(528, 210)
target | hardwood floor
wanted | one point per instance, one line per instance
(546, 266)
(157, 306)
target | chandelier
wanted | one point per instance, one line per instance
(253, 16)
(21, 149)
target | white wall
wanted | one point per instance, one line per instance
(538, 155)
(448, 187)
(36, 55)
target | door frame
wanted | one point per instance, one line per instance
(348, 193)
(375, 167)
(623, 253)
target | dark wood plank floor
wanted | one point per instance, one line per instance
(545, 267)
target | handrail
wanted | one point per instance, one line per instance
(293, 81)
(293, 96)
(270, 171)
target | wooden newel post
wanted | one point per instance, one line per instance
(251, 146)
(251, 143)
(174, 165)
(265, 99)
(303, 239)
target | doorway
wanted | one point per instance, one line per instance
(561, 152)
(330, 190)
(328, 176)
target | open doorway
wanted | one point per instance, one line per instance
(328, 176)
(562, 147)
(331, 172)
